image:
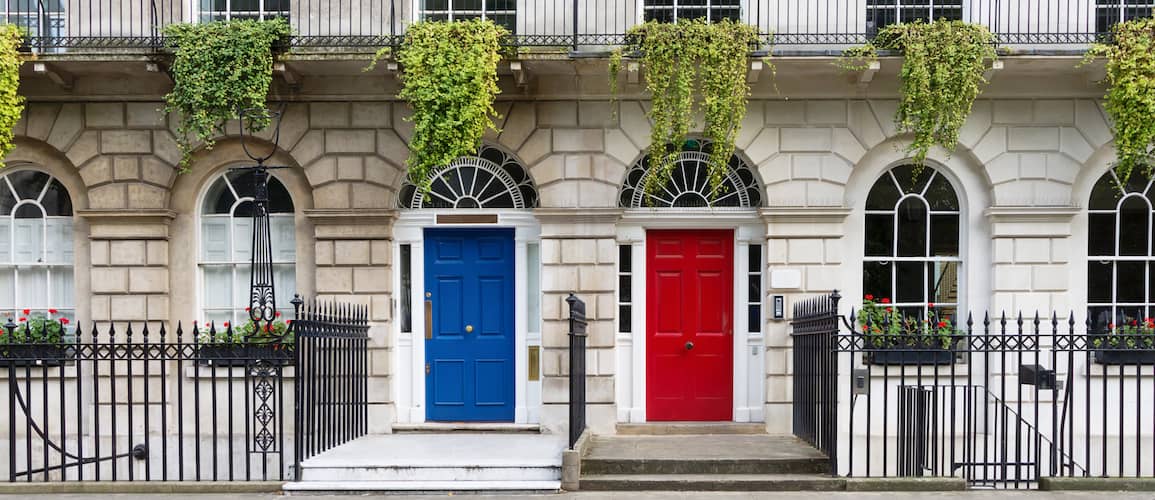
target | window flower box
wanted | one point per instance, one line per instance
(35, 340)
(1130, 344)
(889, 338)
(248, 344)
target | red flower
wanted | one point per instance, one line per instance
(278, 314)
(52, 311)
(869, 297)
(247, 309)
(930, 305)
(1111, 325)
(942, 324)
(885, 300)
(226, 324)
(27, 312)
(22, 320)
(888, 309)
(1134, 322)
(64, 321)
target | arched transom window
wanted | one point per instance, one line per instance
(912, 242)
(491, 179)
(36, 252)
(1121, 258)
(689, 184)
(226, 243)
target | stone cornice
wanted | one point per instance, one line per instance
(804, 215)
(128, 215)
(577, 215)
(1031, 214)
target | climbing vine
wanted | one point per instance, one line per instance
(1130, 99)
(680, 60)
(11, 102)
(219, 69)
(942, 74)
(449, 78)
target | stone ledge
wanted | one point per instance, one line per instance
(906, 484)
(1096, 484)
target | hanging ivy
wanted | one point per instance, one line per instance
(1130, 99)
(220, 68)
(680, 60)
(942, 73)
(449, 78)
(11, 102)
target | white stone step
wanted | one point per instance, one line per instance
(402, 473)
(423, 486)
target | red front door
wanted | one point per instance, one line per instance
(689, 325)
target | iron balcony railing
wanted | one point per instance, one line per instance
(577, 25)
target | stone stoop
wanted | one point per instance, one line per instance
(728, 461)
(431, 462)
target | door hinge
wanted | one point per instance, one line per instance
(427, 368)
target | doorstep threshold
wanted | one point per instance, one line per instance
(449, 427)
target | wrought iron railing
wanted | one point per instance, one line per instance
(1001, 402)
(579, 25)
(814, 329)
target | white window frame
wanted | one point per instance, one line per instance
(229, 12)
(1125, 11)
(711, 7)
(1148, 305)
(237, 312)
(454, 14)
(898, 7)
(49, 267)
(893, 258)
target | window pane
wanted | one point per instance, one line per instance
(912, 228)
(754, 323)
(241, 287)
(242, 239)
(944, 235)
(755, 290)
(218, 199)
(284, 284)
(943, 284)
(215, 239)
(883, 195)
(910, 282)
(625, 288)
(56, 200)
(941, 195)
(28, 183)
(1130, 281)
(28, 240)
(5, 239)
(625, 321)
(1101, 234)
(1134, 223)
(33, 285)
(7, 201)
(279, 200)
(59, 249)
(63, 290)
(908, 182)
(879, 235)
(876, 279)
(217, 286)
(625, 258)
(406, 298)
(755, 262)
(1099, 282)
(1100, 318)
(1105, 195)
(7, 291)
(283, 232)
(533, 300)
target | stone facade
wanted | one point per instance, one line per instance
(1023, 168)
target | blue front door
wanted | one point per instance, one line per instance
(469, 286)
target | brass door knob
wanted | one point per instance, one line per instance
(468, 328)
(689, 346)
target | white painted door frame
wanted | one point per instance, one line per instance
(408, 355)
(630, 348)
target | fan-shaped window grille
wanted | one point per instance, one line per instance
(491, 179)
(689, 184)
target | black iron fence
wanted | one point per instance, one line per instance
(814, 328)
(572, 24)
(577, 368)
(141, 402)
(1003, 402)
(332, 399)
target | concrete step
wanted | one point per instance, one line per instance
(704, 466)
(683, 428)
(466, 427)
(402, 473)
(313, 487)
(711, 482)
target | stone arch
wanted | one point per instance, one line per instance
(491, 178)
(689, 186)
(42, 156)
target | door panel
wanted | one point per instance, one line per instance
(689, 325)
(469, 276)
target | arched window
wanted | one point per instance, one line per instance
(36, 250)
(491, 179)
(226, 242)
(912, 242)
(1121, 260)
(689, 184)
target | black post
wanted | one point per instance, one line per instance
(297, 388)
(575, 41)
(577, 368)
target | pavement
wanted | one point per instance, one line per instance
(969, 495)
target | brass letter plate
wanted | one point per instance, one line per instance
(534, 363)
